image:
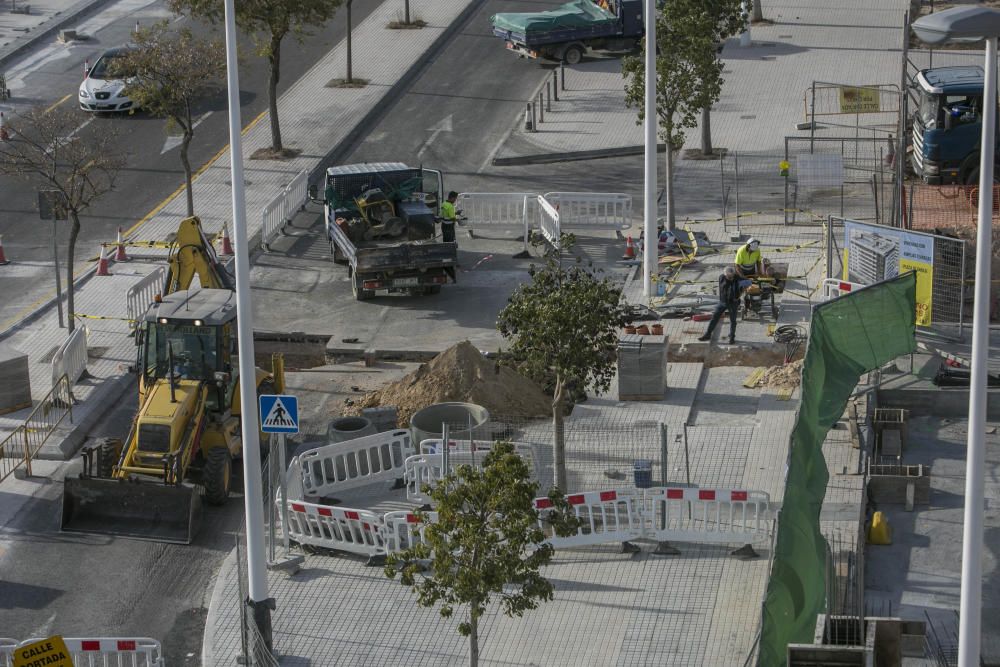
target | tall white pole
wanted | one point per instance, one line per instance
(253, 494)
(649, 254)
(970, 623)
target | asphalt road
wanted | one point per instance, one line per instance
(49, 76)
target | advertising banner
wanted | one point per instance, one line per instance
(873, 253)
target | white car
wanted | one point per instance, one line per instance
(99, 92)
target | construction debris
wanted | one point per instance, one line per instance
(785, 376)
(462, 373)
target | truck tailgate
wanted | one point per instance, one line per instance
(406, 256)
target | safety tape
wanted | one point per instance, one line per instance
(747, 214)
(101, 317)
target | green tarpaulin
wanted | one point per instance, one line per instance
(577, 14)
(849, 336)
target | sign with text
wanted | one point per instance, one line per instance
(51, 652)
(859, 100)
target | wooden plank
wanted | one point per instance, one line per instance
(751, 381)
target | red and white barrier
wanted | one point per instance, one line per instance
(404, 530)
(607, 516)
(426, 469)
(110, 651)
(832, 288)
(713, 516)
(332, 469)
(352, 530)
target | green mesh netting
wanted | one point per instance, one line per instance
(849, 336)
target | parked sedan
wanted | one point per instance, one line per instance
(99, 91)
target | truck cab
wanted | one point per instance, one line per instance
(947, 124)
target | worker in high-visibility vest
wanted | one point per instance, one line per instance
(449, 216)
(748, 260)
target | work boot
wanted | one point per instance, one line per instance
(706, 337)
(732, 340)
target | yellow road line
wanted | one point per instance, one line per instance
(58, 103)
(146, 218)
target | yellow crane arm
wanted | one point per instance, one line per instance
(192, 255)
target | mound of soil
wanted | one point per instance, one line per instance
(462, 373)
(786, 376)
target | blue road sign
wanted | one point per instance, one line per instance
(279, 414)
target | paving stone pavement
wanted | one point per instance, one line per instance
(20, 30)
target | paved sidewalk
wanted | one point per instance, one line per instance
(21, 31)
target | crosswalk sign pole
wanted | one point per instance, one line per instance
(284, 492)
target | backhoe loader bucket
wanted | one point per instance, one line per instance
(143, 510)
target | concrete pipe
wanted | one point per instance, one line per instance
(426, 424)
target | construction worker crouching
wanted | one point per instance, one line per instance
(748, 260)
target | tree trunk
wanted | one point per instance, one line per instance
(274, 60)
(406, 12)
(758, 11)
(473, 641)
(706, 130)
(74, 231)
(185, 143)
(669, 180)
(349, 78)
(559, 455)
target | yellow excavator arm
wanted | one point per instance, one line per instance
(192, 255)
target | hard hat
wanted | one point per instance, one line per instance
(753, 241)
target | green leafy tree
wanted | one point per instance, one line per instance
(729, 18)
(49, 150)
(689, 78)
(564, 324)
(168, 74)
(269, 21)
(486, 544)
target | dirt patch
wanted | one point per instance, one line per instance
(785, 376)
(403, 25)
(462, 373)
(355, 82)
(270, 154)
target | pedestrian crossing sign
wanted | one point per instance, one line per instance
(279, 414)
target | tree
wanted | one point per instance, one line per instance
(486, 542)
(728, 18)
(758, 12)
(565, 323)
(168, 74)
(689, 78)
(269, 21)
(49, 150)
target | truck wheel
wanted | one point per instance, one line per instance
(360, 294)
(573, 55)
(217, 475)
(972, 178)
(107, 457)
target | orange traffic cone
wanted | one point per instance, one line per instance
(120, 255)
(102, 264)
(629, 248)
(3, 258)
(4, 136)
(227, 245)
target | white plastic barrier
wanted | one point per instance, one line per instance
(353, 530)
(714, 516)
(497, 210)
(426, 469)
(140, 295)
(403, 530)
(549, 222)
(7, 647)
(279, 212)
(71, 357)
(832, 288)
(331, 469)
(111, 651)
(592, 210)
(607, 516)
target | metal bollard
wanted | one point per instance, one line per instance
(541, 108)
(562, 74)
(534, 123)
(529, 118)
(548, 96)
(555, 85)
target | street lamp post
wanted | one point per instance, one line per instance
(972, 24)
(259, 603)
(649, 209)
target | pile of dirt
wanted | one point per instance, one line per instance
(462, 373)
(786, 376)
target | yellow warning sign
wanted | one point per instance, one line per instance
(859, 100)
(51, 652)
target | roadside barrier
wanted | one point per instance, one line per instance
(607, 516)
(21, 445)
(356, 531)
(110, 651)
(592, 210)
(403, 530)
(140, 296)
(70, 359)
(832, 288)
(331, 469)
(281, 209)
(497, 210)
(7, 647)
(548, 222)
(426, 469)
(714, 516)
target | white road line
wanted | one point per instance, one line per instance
(173, 140)
(444, 125)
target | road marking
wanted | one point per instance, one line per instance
(69, 95)
(173, 141)
(80, 127)
(146, 218)
(445, 125)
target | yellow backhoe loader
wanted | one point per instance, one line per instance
(186, 434)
